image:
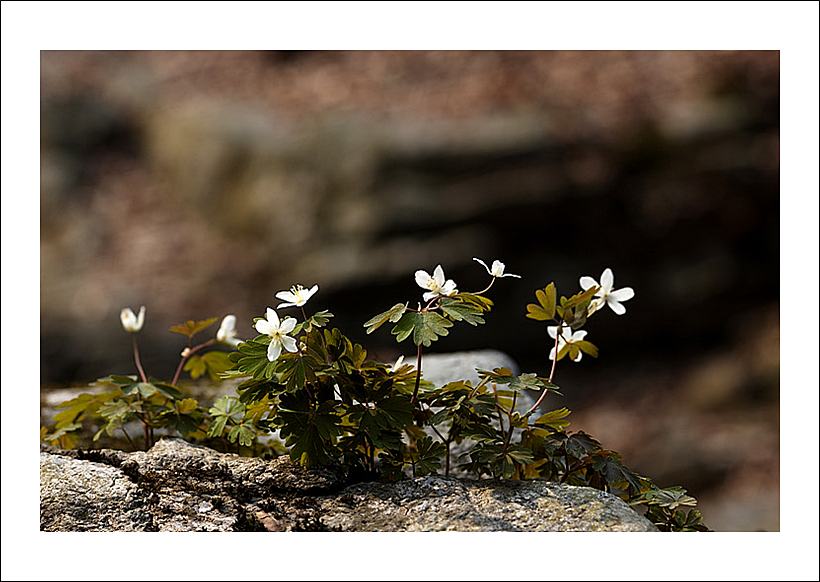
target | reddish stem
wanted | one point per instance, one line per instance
(538, 402)
(137, 360)
(190, 352)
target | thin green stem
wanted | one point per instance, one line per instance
(128, 438)
(487, 288)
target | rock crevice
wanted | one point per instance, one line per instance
(177, 486)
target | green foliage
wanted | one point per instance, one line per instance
(190, 328)
(331, 405)
(213, 363)
(544, 310)
(392, 315)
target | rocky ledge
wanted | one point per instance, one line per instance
(177, 486)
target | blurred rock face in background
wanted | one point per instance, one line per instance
(200, 183)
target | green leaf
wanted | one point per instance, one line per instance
(195, 366)
(460, 311)
(191, 327)
(82, 406)
(217, 426)
(526, 382)
(587, 348)
(405, 326)
(244, 432)
(545, 309)
(554, 420)
(671, 497)
(229, 407)
(317, 320)
(217, 363)
(119, 379)
(309, 431)
(428, 456)
(144, 389)
(187, 405)
(392, 315)
(428, 327)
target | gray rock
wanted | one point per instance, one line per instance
(177, 486)
(443, 368)
(449, 504)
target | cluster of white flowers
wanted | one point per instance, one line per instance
(605, 295)
(435, 285)
(277, 329)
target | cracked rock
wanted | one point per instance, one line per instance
(177, 486)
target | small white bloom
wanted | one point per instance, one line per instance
(497, 269)
(296, 297)
(567, 337)
(130, 322)
(399, 363)
(271, 326)
(606, 295)
(226, 334)
(185, 352)
(435, 284)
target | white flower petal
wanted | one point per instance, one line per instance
(449, 288)
(283, 305)
(588, 283)
(578, 357)
(141, 318)
(272, 317)
(595, 305)
(615, 306)
(483, 264)
(624, 294)
(429, 296)
(552, 353)
(289, 344)
(287, 325)
(127, 318)
(438, 275)
(607, 280)
(579, 335)
(497, 269)
(274, 349)
(311, 292)
(511, 275)
(286, 296)
(227, 329)
(263, 326)
(552, 330)
(423, 279)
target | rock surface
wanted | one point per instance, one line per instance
(177, 486)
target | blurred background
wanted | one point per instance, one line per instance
(200, 183)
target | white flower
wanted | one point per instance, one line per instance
(399, 363)
(226, 334)
(277, 331)
(130, 322)
(567, 337)
(605, 294)
(296, 297)
(436, 285)
(497, 270)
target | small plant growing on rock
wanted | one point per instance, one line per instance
(121, 399)
(303, 381)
